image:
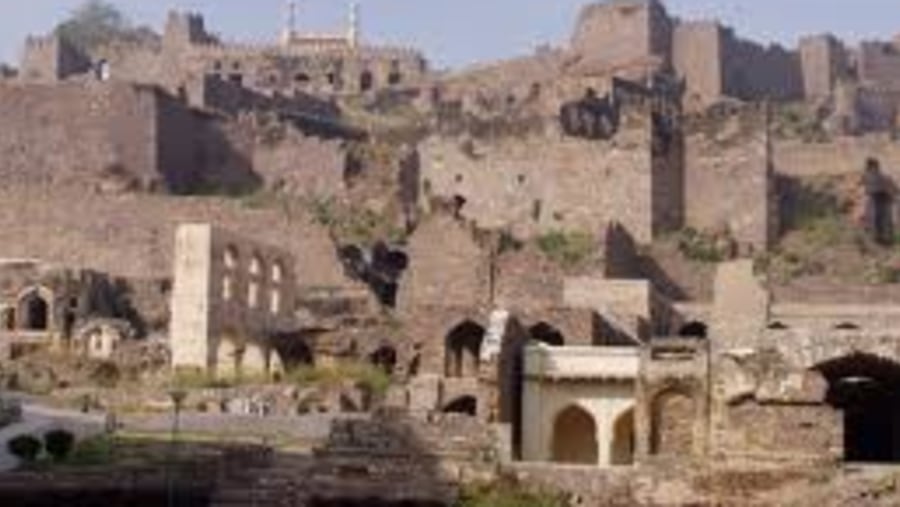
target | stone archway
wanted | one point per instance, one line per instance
(463, 350)
(672, 429)
(463, 405)
(229, 357)
(622, 446)
(575, 437)
(384, 358)
(693, 329)
(546, 334)
(366, 81)
(34, 311)
(866, 389)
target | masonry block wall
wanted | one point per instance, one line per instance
(133, 235)
(230, 296)
(729, 176)
(623, 32)
(754, 72)
(878, 65)
(697, 55)
(448, 267)
(50, 59)
(825, 61)
(841, 156)
(71, 132)
(550, 182)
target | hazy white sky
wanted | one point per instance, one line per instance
(458, 32)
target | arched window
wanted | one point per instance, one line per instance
(463, 350)
(866, 390)
(463, 405)
(384, 358)
(575, 437)
(277, 272)
(622, 450)
(546, 334)
(253, 294)
(395, 76)
(230, 257)
(366, 81)
(102, 70)
(256, 265)
(275, 302)
(694, 329)
(35, 312)
(227, 288)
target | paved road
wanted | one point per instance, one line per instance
(37, 419)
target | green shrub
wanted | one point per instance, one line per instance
(567, 248)
(883, 274)
(703, 247)
(507, 242)
(93, 451)
(364, 375)
(106, 375)
(59, 444)
(25, 447)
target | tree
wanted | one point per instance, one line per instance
(96, 22)
(59, 444)
(25, 447)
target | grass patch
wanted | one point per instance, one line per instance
(196, 379)
(353, 224)
(507, 494)
(567, 248)
(704, 247)
(94, 451)
(364, 375)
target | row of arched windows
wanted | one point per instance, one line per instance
(256, 269)
(463, 346)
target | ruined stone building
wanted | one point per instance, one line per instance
(660, 246)
(190, 62)
(639, 40)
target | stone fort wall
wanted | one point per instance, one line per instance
(715, 62)
(188, 53)
(841, 156)
(542, 182)
(58, 134)
(133, 235)
(117, 136)
(729, 178)
(623, 32)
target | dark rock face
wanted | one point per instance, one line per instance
(380, 268)
(591, 117)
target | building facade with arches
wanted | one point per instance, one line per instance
(43, 306)
(231, 298)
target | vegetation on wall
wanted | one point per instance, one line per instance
(96, 23)
(822, 239)
(703, 246)
(507, 494)
(798, 121)
(363, 375)
(569, 249)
